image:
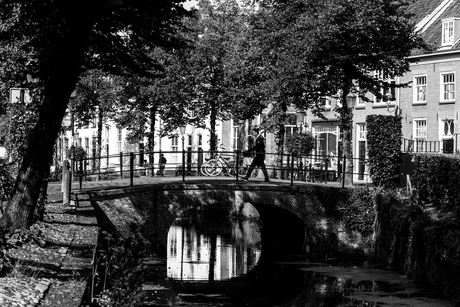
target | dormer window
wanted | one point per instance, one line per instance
(450, 32)
(447, 32)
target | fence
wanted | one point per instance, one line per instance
(287, 167)
(446, 146)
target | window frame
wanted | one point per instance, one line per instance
(325, 102)
(415, 89)
(290, 128)
(394, 80)
(447, 38)
(442, 84)
(235, 133)
(174, 149)
(420, 147)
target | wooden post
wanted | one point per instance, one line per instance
(66, 182)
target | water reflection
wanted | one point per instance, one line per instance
(215, 261)
(213, 248)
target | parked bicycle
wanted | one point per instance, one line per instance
(221, 165)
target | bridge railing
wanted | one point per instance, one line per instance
(289, 167)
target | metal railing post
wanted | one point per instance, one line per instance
(237, 166)
(121, 165)
(131, 169)
(344, 169)
(80, 176)
(327, 172)
(292, 169)
(183, 163)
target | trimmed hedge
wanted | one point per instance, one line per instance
(384, 137)
(436, 179)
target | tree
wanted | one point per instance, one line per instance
(336, 46)
(222, 73)
(361, 45)
(59, 39)
(96, 100)
(289, 80)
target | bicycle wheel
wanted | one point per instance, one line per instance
(204, 168)
(212, 168)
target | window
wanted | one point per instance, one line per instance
(361, 132)
(419, 89)
(448, 129)
(389, 90)
(361, 150)
(420, 133)
(235, 130)
(174, 149)
(94, 147)
(291, 124)
(87, 146)
(447, 87)
(325, 102)
(119, 140)
(447, 32)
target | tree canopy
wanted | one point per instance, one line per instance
(54, 41)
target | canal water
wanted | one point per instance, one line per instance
(216, 261)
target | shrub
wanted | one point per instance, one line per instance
(435, 178)
(384, 149)
(301, 144)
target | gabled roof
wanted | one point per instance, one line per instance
(423, 8)
(429, 14)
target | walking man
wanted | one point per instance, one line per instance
(259, 159)
(162, 165)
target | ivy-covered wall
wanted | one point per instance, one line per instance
(423, 245)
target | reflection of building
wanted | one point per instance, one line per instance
(195, 256)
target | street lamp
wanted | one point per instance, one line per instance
(388, 98)
(182, 132)
(348, 141)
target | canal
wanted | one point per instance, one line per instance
(218, 261)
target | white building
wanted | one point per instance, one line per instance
(195, 142)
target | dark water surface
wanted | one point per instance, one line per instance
(215, 261)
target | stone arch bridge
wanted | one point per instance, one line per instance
(294, 215)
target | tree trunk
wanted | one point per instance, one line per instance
(60, 68)
(151, 141)
(100, 124)
(346, 118)
(213, 117)
(19, 210)
(280, 140)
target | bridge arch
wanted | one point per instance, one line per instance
(288, 213)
